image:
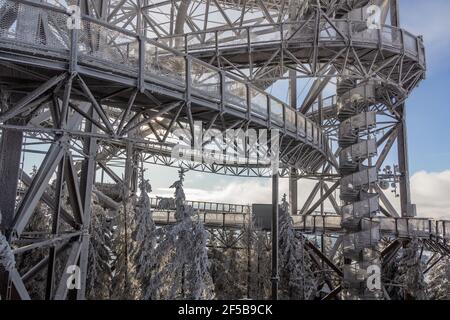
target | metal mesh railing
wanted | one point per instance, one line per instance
(44, 29)
(298, 33)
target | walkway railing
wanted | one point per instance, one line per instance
(108, 47)
(297, 34)
(235, 216)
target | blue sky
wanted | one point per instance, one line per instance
(428, 108)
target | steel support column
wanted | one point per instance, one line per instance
(402, 148)
(403, 165)
(275, 276)
(87, 181)
(293, 191)
(10, 148)
(293, 179)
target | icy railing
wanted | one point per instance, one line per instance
(298, 33)
(206, 206)
(209, 218)
(421, 227)
(224, 214)
(109, 47)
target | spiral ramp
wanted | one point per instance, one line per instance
(358, 178)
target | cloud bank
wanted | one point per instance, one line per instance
(430, 191)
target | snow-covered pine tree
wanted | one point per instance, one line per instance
(297, 281)
(40, 221)
(181, 270)
(228, 268)
(144, 236)
(409, 275)
(260, 284)
(439, 280)
(7, 260)
(99, 274)
(122, 266)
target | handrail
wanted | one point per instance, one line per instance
(416, 47)
(321, 142)
(402, 227)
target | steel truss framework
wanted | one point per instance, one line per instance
(120, 90)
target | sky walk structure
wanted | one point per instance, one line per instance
(118, 89)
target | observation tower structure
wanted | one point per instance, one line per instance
(93, 88)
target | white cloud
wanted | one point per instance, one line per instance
(429, 191)
(237, 192)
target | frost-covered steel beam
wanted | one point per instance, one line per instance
(38, 186)
(332, 199)
(310, 198)
(62, 290)
(390, 251)
(22, 105)
(10, 158)
(324, 258)
(333, 294)
(73, 189)
(389, 207)
(392, 137)
(335, 248)
(38, 267)
(58, 239)
(19, 285)
(110, 172)
(328, 193)
(315, 90)
(87, 181)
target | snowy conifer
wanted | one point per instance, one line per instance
(261, 267)
(7, 260)
(297, 281)
(181, 270)
(99, 274)
(228, 267)
(122, 265)
(144, 236)
(409, 275)
(439, 283)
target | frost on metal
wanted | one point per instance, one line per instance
(7, 260)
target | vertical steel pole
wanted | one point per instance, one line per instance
(55, 229)
(10, 148)
(10, 153)
(275, 277)
(293, 182)
(87, 180)
(402, 141)
(293, 191)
